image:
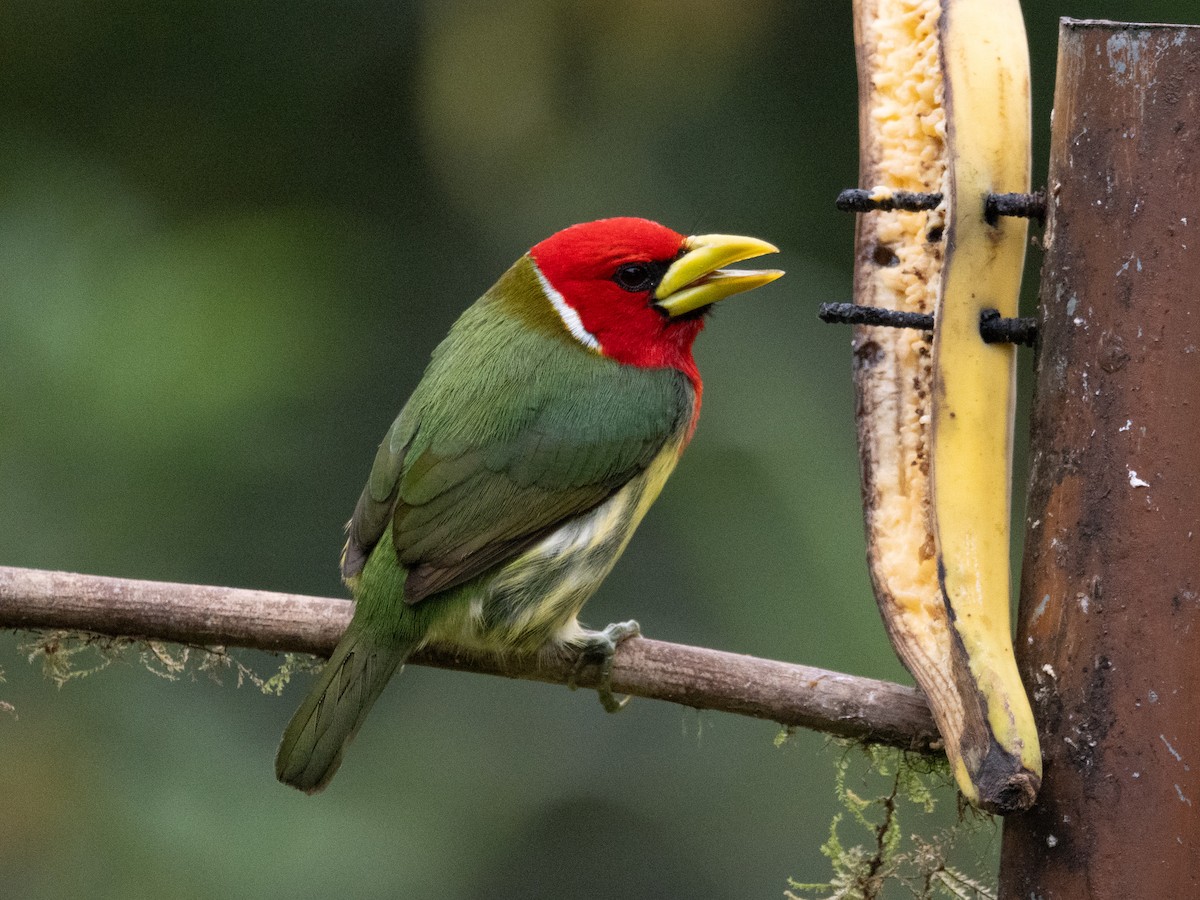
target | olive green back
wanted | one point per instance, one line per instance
(514, 428)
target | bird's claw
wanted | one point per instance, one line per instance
(602, 645)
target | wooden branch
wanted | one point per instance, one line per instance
(792, 695)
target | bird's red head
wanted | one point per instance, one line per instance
(637, 291)
(606, 273)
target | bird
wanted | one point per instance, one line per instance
(542, 430)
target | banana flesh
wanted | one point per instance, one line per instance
(944, 107)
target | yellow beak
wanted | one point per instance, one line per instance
(696, 279)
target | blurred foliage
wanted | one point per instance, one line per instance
(230, 234)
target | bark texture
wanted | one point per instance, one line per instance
(1109, 628)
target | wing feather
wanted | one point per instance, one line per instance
(495, 450)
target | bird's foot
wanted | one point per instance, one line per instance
(602, 645)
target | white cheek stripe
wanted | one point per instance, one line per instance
(568, 314)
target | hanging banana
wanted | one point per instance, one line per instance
(944, 109)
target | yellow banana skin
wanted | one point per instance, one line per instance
(987, 66)
(944, 87)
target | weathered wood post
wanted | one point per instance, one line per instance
(1109, 631)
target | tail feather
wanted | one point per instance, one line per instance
(334, 710)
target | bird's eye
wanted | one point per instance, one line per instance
(634, 277)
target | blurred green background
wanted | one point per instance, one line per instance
(230, 235)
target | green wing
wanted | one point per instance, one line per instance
(495, 450)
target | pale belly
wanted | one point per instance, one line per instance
(535, 599)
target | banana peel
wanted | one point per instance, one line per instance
(944, 108)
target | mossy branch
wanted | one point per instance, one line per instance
(793, 695)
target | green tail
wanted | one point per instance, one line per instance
(334, 709)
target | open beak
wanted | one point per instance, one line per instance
(696, 279)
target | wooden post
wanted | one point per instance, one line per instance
(1109, 628)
